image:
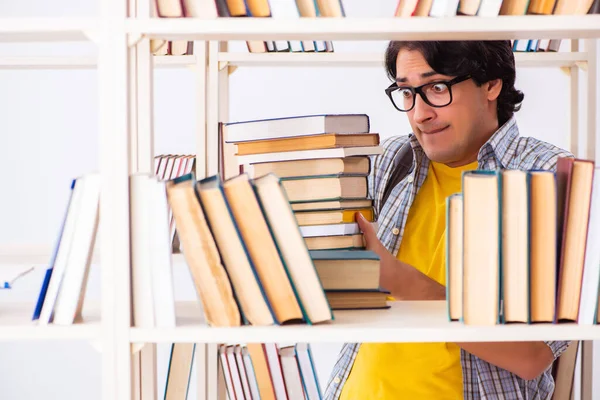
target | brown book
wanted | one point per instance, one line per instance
(324, 141)
(201, 254)
(514, 7)
(481, 254)
(358, 299)
(261, 371)
(261, 246)
(542, 243)
(335, 242)
(345, 273)
(357, 166)
(325, 188)
(577, 202)
(545, 7)
(347, 216)
(423, 8)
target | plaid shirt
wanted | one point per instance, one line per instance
(504, 150)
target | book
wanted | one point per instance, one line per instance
(330, 230)
(316, 142)
(347, 269)
(332, 205)
(370, 299)
(332, 216)
(339, 242)
(340, 152)
(179, 373)
(325, 188)
(349, 166)
(242, 271)
(542, 244)
(577, 201)
(481, 247)
(261, 370)
(297, 260)
(454, 255)
(310, 380)
(264, 254)
(200, 252)
(302, 125)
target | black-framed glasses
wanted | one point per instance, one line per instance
(436, 94)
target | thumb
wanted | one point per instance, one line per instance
(370, 236)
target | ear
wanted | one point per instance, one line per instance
(493, 89)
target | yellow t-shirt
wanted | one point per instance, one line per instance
(416, 370)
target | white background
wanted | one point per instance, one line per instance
(49, 134)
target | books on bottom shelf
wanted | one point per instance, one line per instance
(522, 246)
(251, 371)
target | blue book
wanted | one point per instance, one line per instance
(48, 275)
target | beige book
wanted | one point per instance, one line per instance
(325, 188)
(423, 8)
(305, 168)
(335, 242)
(515, 246)
(574, 241)
(481, 248)
(405, 8)
(305, 218)
(255, 233)
(543, 245)
(468, 7)
(180, 371)
(332, 205)
(514, 7)
(201, 254)
(455, 256)
(315, 142)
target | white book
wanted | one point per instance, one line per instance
(285, 10)
(60, 263)
(141, 217)
(250, 373)
(304, 125)
(307, 369)
(443, 8)
(489, 8)
(72, 290)
(242, 368)
(591, 270)
(206, 9)
(291, 372)
(275, 369)
(329, 230)
(309, 154)
(162, 262)
(235, 373)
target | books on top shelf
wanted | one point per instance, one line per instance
(521, 246)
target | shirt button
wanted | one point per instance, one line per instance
(410, 179)
(336, 380)
(395, 231)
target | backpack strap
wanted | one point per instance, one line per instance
(403, 161)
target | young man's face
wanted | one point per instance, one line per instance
(452, 134)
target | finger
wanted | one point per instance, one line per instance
(369, 234)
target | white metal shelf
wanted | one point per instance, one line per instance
(450, 28)
(419, 321)
(240, 59)
(81, 62)
(47, 29)
(16, 324)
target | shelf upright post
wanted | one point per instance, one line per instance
(113, 91)
(201, 71)
(212, 110)
(591, 47)
(573, 142)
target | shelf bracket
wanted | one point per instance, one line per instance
(230, 68)
(92, 35)
(134, 39)
(582, 65)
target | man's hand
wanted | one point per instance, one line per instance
(402, 280)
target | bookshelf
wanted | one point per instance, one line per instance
(125, 69)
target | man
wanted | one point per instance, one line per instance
(460, 99)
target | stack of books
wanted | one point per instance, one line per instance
(522, 246)
(323, 162)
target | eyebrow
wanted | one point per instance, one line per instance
(423, 75)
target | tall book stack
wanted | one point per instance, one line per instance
(323, 162)
(522, 246)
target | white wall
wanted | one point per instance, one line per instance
(49, 135)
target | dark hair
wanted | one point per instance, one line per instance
(483, 60)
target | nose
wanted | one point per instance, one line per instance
(422, 112)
